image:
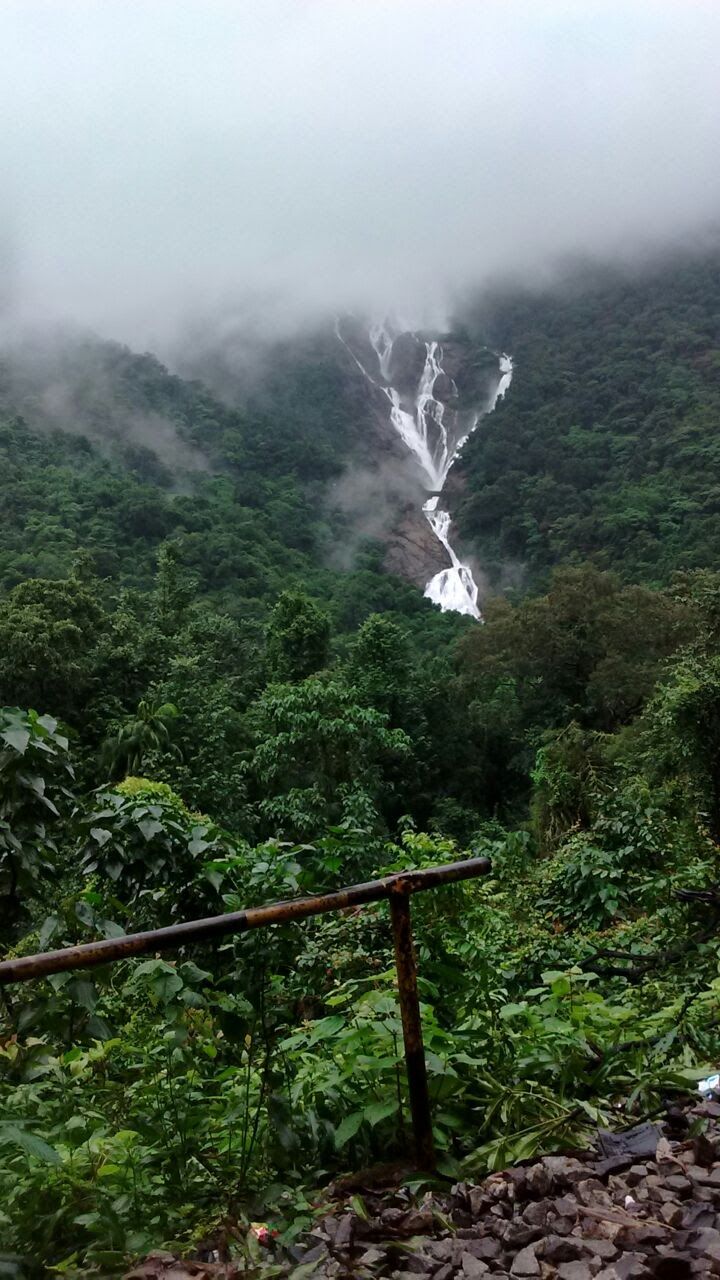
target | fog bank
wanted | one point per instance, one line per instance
(286, 158)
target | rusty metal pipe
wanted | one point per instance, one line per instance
(90, 954)
(406, 967)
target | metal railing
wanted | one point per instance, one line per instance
(396, 888)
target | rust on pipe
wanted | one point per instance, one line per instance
(406, 966)
(90, 954)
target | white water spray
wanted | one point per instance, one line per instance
(435, 439)
(455, 589)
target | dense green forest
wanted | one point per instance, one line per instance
(200, 715)
(606, 451)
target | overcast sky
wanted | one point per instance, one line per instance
(163, 157)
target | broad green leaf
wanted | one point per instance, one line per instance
(150, 827)
(84, 993)
(164, 980)
(378, 1111)
(348, 1128)
(326, 1029)
(31, 1143)
(513, 1010)
(18, 739)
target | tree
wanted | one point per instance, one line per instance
(49, 632)
(206, 758)
(35, 781)
(321, 756)
(174, 588)
(298, 638)
(149, 730)
(570, 773)
(682, 730)
(379, 666)
(590, 649)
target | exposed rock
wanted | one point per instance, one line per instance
(679, 1185)
(418, 1264)
(473, 1267)
(564, 1171)
(554, 1220)
(631, 1267)
(517, 1234)
(413, 551)
(575, 1271)
(526, 1263)
(558, 1249)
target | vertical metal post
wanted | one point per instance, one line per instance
(412, 1028)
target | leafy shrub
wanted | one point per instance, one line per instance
(149, 850)
(35, 786)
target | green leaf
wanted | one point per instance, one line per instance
(359, 1207)
(18, 739)
(164, 980)
(513, 1010)
(326, 1028)
(83, 993)
(33, 782)
(348, 1128)
(197, 845)
(150, 827)
(49, 925)
(31, 1143)
(192, 973)
(378, 1111)
(550, 976)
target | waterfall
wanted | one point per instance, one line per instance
(455, 589)
(434, 435)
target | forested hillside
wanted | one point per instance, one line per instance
(106, 451)
(607, 450)
(201, 714)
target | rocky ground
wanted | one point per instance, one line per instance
(588, 1217)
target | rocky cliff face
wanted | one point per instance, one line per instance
(413, 551)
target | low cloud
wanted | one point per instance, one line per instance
(285, 158)
(370, 498)
(68, 382)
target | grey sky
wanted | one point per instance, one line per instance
(164, 157)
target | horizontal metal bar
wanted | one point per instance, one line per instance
(110, 950)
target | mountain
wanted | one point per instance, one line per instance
(106, 451)
(295, 466)
(607, 450)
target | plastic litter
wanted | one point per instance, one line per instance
(710, 1088)
(264, 1235)
(639, 1143)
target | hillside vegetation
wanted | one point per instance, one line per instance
(200, 715)
(607, 449)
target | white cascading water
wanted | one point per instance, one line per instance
(421, 425)
(455, 588)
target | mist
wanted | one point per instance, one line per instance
(60, 381)
(283, 159)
